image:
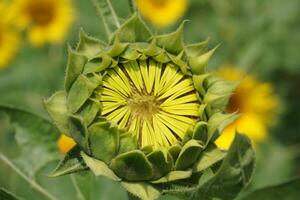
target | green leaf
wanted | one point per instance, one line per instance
(75, 67)
(71, 163)
(6, 195)
(103, 140)
(36, 136)
(132, 166)
(89, 46)
(188, 155)
(284, 191)
(99, 168)
(172, 42)
(209, 157)
(56, 106)
(133, 30)
(142, 190)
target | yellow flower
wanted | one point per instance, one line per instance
(65, 143)
(156, 102)
(162, 12)
(9, 36)
(48, 21)
(256, 103)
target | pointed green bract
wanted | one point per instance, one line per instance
(199, 63)
(123, 166)
(99, 168)
(161, 162)
(172, 42)
(57, 109)
(133, 30)
(208, 157)
(143, 191)
(89, 46)
(71, 163)
(188, 155)
(75, 66)
(103, 141)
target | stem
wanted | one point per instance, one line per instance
(113, 13)
(132, 6)
(34, 184)
(108, 16)
(100, 15)
(79, 193)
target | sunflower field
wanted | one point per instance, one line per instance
(149, 99)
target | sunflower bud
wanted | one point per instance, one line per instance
(144, 112)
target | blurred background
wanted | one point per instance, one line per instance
(260, 41)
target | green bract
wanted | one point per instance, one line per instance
(189, 165)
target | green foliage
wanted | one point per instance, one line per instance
(6, 195)
(285, 191)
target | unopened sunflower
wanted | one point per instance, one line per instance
(9, 36)
(255, 101)
(162, 13)
(144, 112)
(46, 21)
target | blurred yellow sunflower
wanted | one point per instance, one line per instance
(256, 103)
(9, 36)
(65, 143)
(47, 21)
(162, 13)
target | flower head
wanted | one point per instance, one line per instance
(143, 111)
(47, 21)
(255, 101)
(65, 143)
(162, 13)
(9, 36)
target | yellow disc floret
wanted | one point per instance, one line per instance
(154, 101)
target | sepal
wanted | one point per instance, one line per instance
(89, 46)
(188, 155)
(172, 42)
(103, 140)
(75, 65)
(56, 106)
(132, 166)
(71, 163)
(199, 63)
(133, 30)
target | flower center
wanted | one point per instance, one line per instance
(155, 102)
(41, 12)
